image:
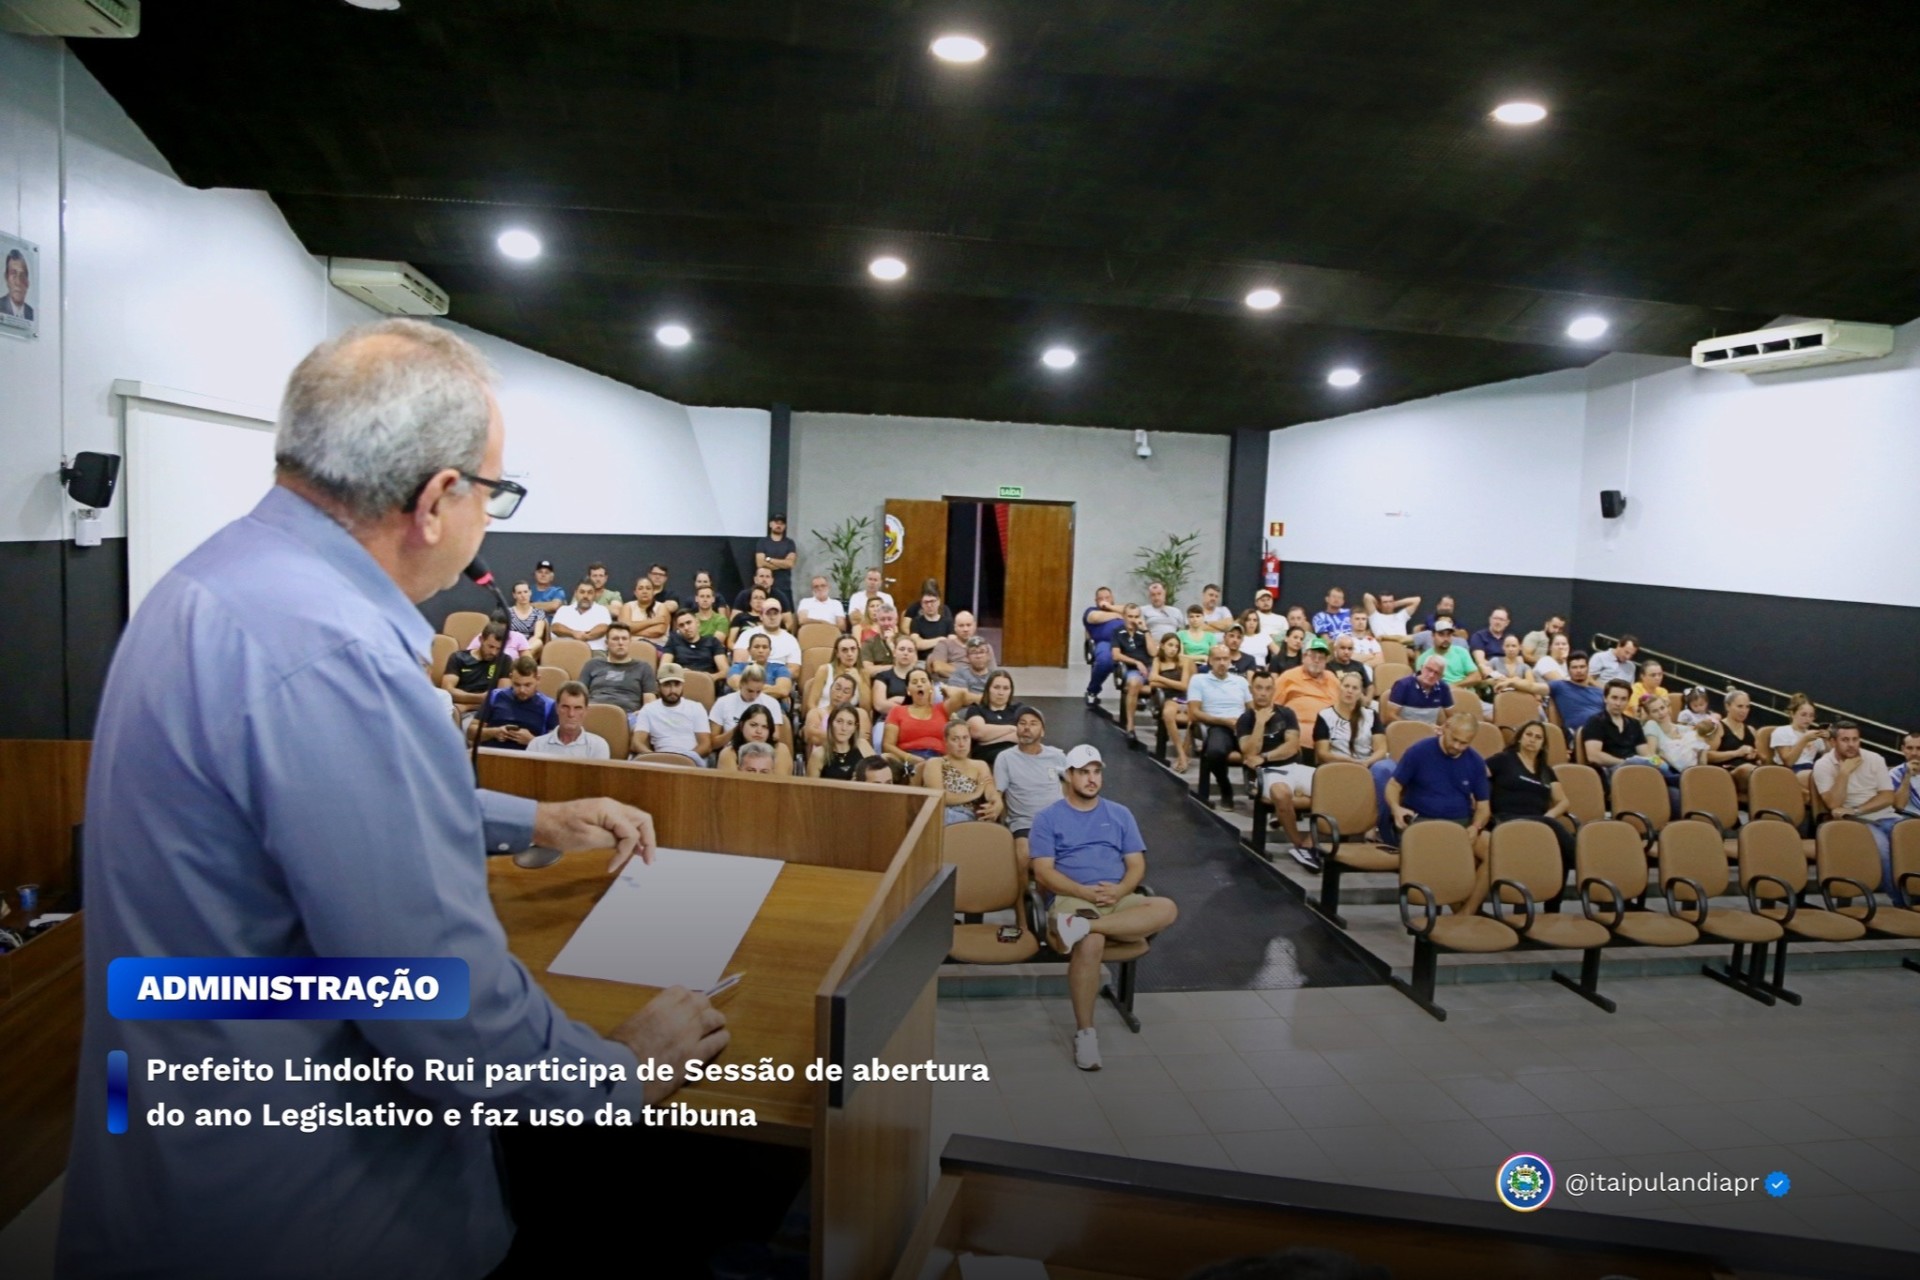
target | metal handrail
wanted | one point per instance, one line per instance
(1885, 740)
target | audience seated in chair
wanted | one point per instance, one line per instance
(1731, 741)
(1133, 660)
(714, 622)
(1027, 777)
(1653, 684)
(877, 645)
(842, 748)
(1270, 622)
(1614, 737)
(1798, 743)
(1525, 787)
(863, 600)
(617, 676)
(694, 651)
(1215, 699)
(1238, 662)
(1676, 747)
(602, 593)
(1167, 682)
(763, 583)
(889, 688)
(646, 617)
(965, 783)
(1614, 664)
(1336, 619)
(1905, 778)
(527, 620)
(1289, 653)
(1309, 688)
(584, 618)
(1537, 645)
(783, 646)
(778, 676)
(673, 723)
(664, 591)
(471, 676)
(1551, 664)
(751, 691)
(916, 729)
(1484, 644)
(569, 736)
(1103, 621)
(967, 683)
(928, 620)
(756, 725)
(1088, 858)
(1423, 696)
(1857, 784)
(1341, 659)
(1367, 650)
(760, 759)
(547, 595)
(519, 713)
(1255, 644)
(820, 606)
(1197, 638)
(842, 690)
(1577, 698)
(878, 771)
(949, 653)
(1389, 615)
(1270, 745)
(1351, 730)
(1441, 778)
(1162, 618)
(992, 720)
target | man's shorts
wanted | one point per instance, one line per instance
(1297, 776)
(1063, 905)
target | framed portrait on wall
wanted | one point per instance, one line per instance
(20, 300)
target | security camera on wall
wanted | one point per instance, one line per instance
(1141, 449)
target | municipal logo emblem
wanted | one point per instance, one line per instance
(1525, 1183)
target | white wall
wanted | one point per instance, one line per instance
(1802, 484)
(1475, 480)
(1731, 480)
(849, 464)
(211, 293)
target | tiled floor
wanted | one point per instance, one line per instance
(1357, 1085)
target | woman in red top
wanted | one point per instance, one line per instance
(917, 728)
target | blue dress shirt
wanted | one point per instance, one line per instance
(287, 784)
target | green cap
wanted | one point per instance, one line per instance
(1321, 645)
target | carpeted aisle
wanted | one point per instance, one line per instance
(1239, 929)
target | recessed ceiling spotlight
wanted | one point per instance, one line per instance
(1587, 328)
(887, 268)
(1059, 358)
(673, 335)
(1264, 299)
(1519, 113)
(1343, 377)
(382, 5)
(957, 48)
(521, 246)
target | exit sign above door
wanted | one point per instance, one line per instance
(1013, 491)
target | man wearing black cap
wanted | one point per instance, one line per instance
(777, 552)
(548, 595)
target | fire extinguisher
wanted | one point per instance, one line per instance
(1270, 570)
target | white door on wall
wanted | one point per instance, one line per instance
(191, 469)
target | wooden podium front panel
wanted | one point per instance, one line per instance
(792, 943)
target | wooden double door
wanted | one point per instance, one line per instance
(1038, 611)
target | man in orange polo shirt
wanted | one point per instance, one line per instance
(1308, 689)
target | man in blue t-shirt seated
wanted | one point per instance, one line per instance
(1089, 858)
(1575, 698)
(1103, 622)
(519, 713)
(547, 597)
(1443, 778)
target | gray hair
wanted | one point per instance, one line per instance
(754, 751)
(371, 414)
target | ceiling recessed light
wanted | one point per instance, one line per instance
(1587, 328)
(521, 246)
(1519, 113)
(1059, 358)
(887, 268)
(1343, 377)
(382, 5)
(673, 335)
(1264, 299)
(957, 48)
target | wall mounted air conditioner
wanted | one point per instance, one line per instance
(74, 18)
(1794, 346)
(393, 287)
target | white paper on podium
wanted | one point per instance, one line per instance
(673, 923)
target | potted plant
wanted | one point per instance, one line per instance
(844, 543)
(1171, 563)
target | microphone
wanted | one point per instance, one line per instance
(481, 576)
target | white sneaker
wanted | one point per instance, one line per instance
(1071, 929)
(1086, 1049)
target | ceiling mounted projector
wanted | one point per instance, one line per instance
(1794, 346)
(397, 288)
(73, 18)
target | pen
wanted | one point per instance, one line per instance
(726, 984)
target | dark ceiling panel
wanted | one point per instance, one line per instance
(1118, 170)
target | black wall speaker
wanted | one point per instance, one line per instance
(1612, 503)
(91, 479)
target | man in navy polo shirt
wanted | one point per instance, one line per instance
(1103, 621)
(1423, 696)
(519, 713)
(1090, 859)
(1484, 644)
(1441, 777)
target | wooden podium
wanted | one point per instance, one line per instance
(840, 965)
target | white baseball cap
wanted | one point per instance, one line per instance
(1082, 756)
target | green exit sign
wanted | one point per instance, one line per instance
(1012, 491)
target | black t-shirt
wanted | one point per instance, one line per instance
(1134, 645)
(778, 549)
(986, 751)
(698, 655)
(929, 628)
(1517, 793)
(785, 597)
(1622, 743)
(1278, 661)
(894, 683)
(1341, 668)
(1280, 722)
(1244, 665)
(472, 674)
